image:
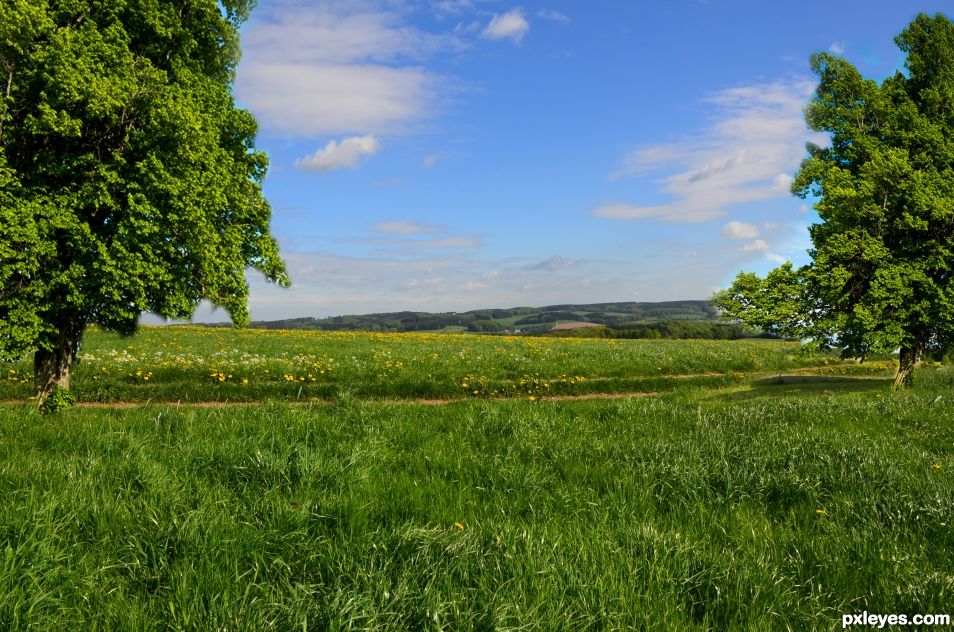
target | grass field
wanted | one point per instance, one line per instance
(708, 493)
(196, 364)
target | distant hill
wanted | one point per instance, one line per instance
(522, 320)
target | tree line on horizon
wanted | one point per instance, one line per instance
(515, 320)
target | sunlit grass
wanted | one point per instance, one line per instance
(730, 499)
(667, 513)
(200, 364)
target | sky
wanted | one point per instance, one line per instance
(450, 155)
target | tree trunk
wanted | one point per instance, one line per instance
(51, 367)
(908, 359)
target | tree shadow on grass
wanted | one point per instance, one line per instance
(785, 386)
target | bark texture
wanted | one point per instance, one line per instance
(52, 366)
(908, 360)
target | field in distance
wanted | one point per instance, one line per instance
(584, 484)
(201, 364)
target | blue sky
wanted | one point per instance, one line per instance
(458, 154)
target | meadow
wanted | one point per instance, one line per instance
(252, 480)
(191, 364)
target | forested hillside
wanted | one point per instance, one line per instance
(634, 316)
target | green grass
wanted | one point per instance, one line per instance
(736, 504)
(196, 364)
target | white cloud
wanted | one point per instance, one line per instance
(782, 182)
(406, 227)
(430, 160)
(755, 139)
(740, 230)
(553, 16)
(757, 245)
(510, 25)
(349, 153)
(325, 67)
(838, 48)
(299, 100)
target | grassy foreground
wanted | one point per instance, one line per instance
(738, 505)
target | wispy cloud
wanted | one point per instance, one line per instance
(407, 227)
(553, 16)
(661, 212)
(755, 139)
(415, 283)
(443, 8)
(430, 160)
(510, 25)
(347, 154)
(410, 238)
(838, 48)
(456, 242)
(325, 67)
(551, 264)
(332, 284)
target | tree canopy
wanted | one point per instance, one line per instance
(880, 278)
(129, 180)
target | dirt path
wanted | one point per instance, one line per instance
(757, 379)
(801, 379)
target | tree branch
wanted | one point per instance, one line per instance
(6, 97)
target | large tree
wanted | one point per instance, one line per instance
(129, 181)
(882, 270)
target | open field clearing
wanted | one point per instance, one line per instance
(184, 364)
(732, 498)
